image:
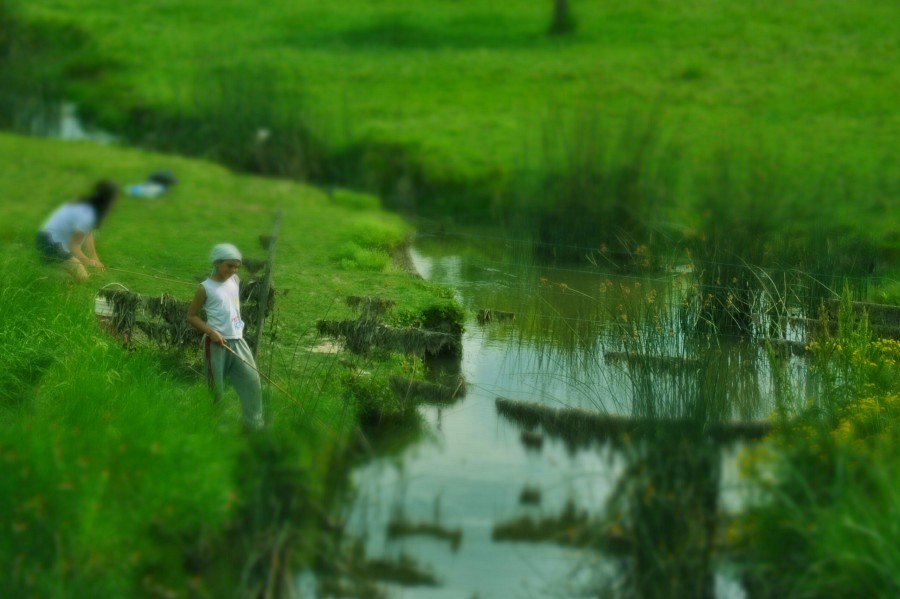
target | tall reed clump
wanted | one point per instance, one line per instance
(766, 230)
(242, 118)
(826, 523)
(667, 501)
(597, 184)
(821, 240)
(743, 204)
(834, 257)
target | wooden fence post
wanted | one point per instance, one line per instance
(263, 298)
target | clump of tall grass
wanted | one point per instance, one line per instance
(598, 184)
(26, 350)
(371, 245)
(743, 209)
(826, 522)
(242, 118)
(747, 246)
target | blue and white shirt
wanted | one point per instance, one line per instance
(68, 219)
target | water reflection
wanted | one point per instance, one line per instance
(469, 475)
(636, 509)
(63, 122)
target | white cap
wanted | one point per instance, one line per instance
(224, 251)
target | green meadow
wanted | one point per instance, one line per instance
(737, 135)
(470, 111)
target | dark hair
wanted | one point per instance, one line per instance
(101, 198)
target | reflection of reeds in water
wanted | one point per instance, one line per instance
(667, 504)
(354, 574)
(583, 429)
(486, 315)
(571, 526)
(684, 390)
(530, 495)
(400, 526)
(531, 440)
(684, 385)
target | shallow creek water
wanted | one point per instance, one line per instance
(467, 472)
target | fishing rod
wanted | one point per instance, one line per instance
(268, 379)
(253, 366)
(359, 431)
(143, 274)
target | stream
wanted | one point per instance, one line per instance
(472, 468)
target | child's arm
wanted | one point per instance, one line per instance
(193, 317)
(92, 250)
(75, 247)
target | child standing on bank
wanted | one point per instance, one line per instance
(224, 349)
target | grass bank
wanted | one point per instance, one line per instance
(119, 477)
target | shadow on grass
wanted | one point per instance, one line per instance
(397, 31)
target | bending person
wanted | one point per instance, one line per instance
(71, 227)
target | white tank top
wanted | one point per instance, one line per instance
(223, 307)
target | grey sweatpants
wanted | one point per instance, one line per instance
(221, 363)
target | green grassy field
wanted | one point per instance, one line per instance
(467, 100)
(763, 123)
(100, 443)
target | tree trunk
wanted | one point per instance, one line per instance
(562, 18)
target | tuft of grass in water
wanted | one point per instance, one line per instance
(571, 527)
(598, 183)
(375, 397)
(400, 526)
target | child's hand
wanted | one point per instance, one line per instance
(217, 337)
